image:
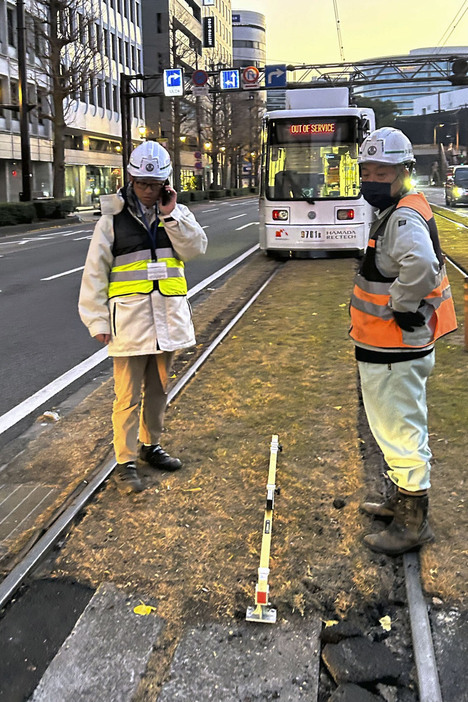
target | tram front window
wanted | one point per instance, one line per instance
(312, 159)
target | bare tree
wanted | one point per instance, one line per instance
(70, 42)
(244, 144)
(185, 111)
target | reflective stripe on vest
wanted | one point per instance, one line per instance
(372, 321)
(129, 273)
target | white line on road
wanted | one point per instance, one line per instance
(246, 225)
(207, 226)
(80, 238)
(237, 216)
(22, 410)
(59, 275)
(213, 209)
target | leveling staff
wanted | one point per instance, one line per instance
(133, 298)
(401, 304)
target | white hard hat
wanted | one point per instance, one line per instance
(386, 145)
(150, 160)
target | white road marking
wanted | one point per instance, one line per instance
(213, 209)
(207, 226)
(22, 410)
(59, 275)
(16, 414)
(237, 216)
(246, 225)
(80, 238)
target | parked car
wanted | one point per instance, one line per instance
(456, 187)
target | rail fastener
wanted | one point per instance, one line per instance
(262, 612)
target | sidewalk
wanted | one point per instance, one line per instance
(43, 224)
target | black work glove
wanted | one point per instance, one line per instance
(409, 320)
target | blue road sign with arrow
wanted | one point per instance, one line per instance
(275, 76)
(229, 80)
(173, 81)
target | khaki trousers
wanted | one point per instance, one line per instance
(140, 402)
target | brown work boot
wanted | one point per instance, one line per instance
(409, 529)
(384, 509)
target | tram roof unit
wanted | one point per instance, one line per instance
(320, 112)
(319, 102)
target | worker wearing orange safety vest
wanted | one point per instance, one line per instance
(401, 303)
(133, 299)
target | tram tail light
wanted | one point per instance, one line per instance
(345, 214)
(281, 215)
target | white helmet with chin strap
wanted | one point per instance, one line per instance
(150, 160)
(388, 146)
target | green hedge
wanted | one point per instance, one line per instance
(53, 208)
(196, 195)
(216, 194)
(16, 213)
(183, 197)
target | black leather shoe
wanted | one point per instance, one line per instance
(126, 478)
(158, 458)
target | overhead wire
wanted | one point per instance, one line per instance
(451, 27)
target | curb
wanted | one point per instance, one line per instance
(43, 224)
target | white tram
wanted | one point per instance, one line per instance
(310, 197)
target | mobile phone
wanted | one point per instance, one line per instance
(165, 194)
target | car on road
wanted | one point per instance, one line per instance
(456, 187)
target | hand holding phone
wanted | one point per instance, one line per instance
(168, 198)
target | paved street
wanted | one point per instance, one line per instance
(42, 336)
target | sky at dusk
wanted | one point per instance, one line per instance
(304, 31)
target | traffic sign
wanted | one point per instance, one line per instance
(173, 82)
(197, 154)
(275, 76)
(199, 90)
(199, 77)
(229, 80)
(198, 165)
(250, 76)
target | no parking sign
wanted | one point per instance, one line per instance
(250, 77)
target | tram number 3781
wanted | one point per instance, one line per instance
(311, 234)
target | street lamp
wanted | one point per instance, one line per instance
(143, 131)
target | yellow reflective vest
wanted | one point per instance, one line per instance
(134, 251)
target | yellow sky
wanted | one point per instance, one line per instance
(304, 31)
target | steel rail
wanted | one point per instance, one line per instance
(426, 666)
(19, 573)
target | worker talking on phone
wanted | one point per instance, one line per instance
(133, 299)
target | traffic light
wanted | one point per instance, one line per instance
(459, 70)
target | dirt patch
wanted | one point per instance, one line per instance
(192, 540)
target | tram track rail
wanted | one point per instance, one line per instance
(64, 518)
(426, 667)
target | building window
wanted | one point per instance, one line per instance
(2, 112)
(115, 94)
(14, 95)
(100, 94)
(108, 96)
(159, 22)
(121, 51)
(11, 25)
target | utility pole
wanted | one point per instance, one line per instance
(126, 117)
(26, 195)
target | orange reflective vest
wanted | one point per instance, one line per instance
(372, 320)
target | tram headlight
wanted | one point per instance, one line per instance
(458, 192)
(345, 214)
(281, 215)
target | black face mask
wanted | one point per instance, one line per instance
(378, 194)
